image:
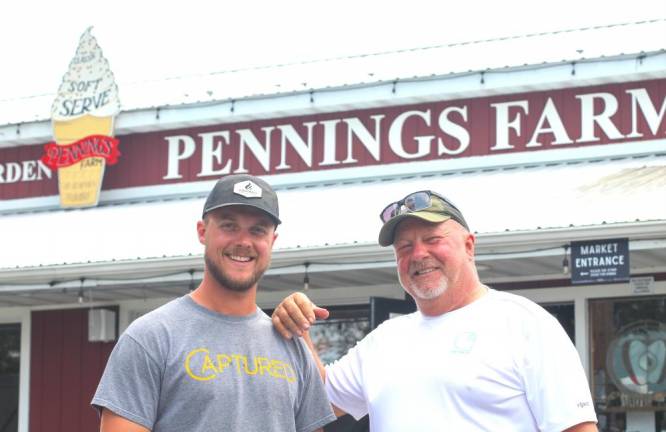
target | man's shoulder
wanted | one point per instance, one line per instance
(262, 330)
(519, 312)
(264, 336)
(513, 303)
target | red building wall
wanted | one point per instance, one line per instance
(64, 371)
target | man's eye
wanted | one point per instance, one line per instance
(259, 231)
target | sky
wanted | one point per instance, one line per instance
(146, 40)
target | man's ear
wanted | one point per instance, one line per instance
(201, 231)
(470, 245)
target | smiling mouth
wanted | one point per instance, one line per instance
(240, 258)
(423, 271)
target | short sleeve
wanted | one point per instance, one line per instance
(314, 409)
(555, 383)
(130, 385)
(344, 382)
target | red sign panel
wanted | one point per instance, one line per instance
(57, 156)
(527, 122)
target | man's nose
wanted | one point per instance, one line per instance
(243, 238)
(419, 250)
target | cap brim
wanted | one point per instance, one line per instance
(387, 232)
(269, 214)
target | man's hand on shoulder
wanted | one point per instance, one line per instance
(295, 314)
(112, 422)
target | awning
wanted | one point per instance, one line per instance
(528, 211)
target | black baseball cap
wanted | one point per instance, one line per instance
(243, 189)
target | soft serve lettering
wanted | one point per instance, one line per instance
(94, 99)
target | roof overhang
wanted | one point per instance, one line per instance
(502, 257)
(523, 216)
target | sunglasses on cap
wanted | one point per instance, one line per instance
(422, 200)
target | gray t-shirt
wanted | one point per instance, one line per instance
(183, 367)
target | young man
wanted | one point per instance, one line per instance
(211, 360)
(470, 359)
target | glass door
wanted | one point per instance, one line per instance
(10, 356)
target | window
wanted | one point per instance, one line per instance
(340, 332)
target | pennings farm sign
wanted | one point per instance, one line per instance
(632, 112)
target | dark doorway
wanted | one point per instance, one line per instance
(10, 359)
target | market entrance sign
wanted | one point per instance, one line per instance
(600, 261)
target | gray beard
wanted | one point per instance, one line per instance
(230, 284)
(423, 294)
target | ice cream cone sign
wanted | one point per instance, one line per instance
(82, 117)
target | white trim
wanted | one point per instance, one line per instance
(24, 373)
(581, 315)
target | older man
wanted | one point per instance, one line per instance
(211, 360)
(470, 359)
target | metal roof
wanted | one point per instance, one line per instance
(633, 40)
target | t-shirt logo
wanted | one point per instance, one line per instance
(203, 365)
(248, 189)
(464, 343)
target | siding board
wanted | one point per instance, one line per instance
(65, 369)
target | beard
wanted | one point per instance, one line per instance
(237, 285)
(425, 292)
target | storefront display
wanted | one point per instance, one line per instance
(628, 356)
